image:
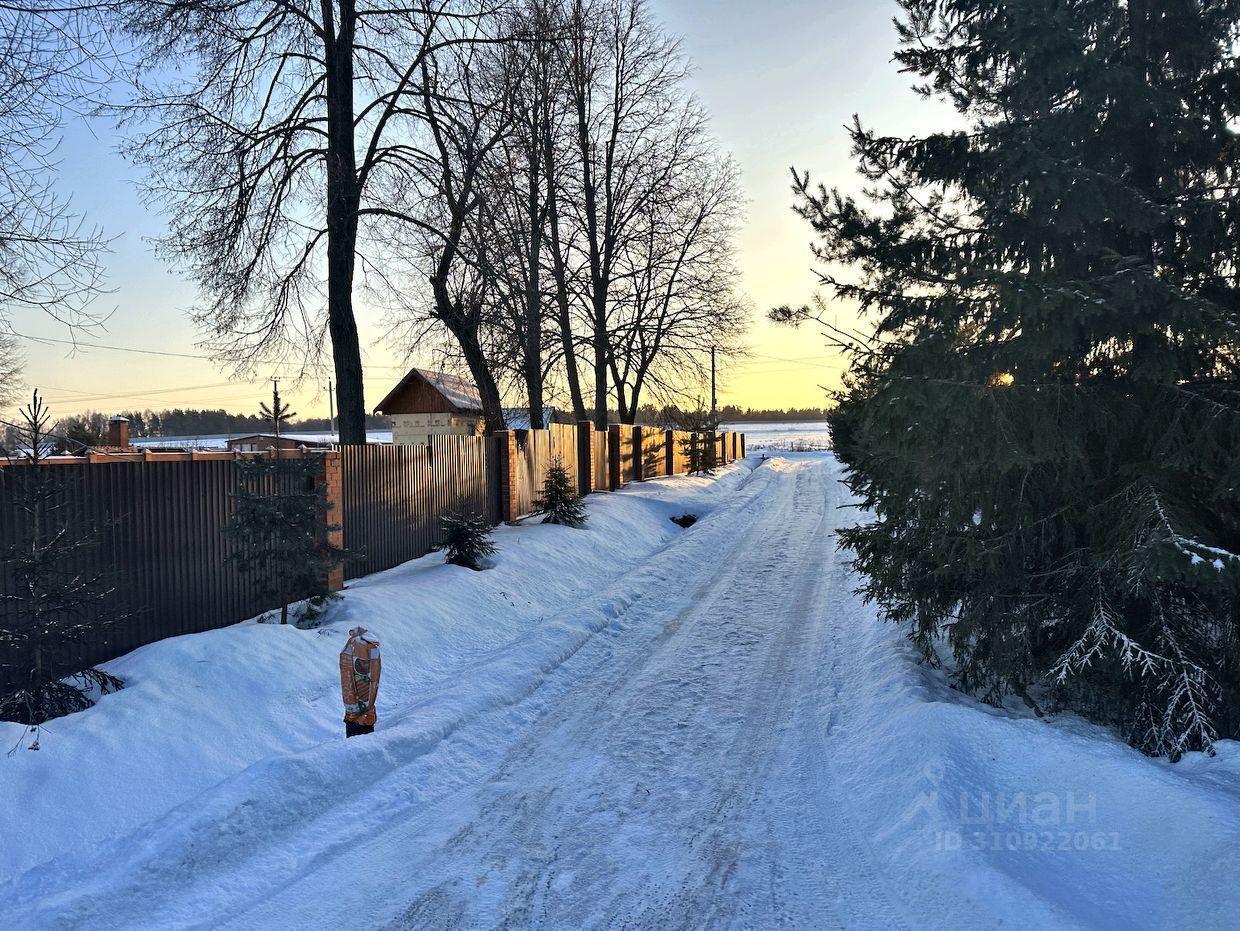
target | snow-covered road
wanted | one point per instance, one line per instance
(676, 778)
(717, 733)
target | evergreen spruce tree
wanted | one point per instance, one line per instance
(560, 502)
(1045, 424)
(279, 522)
(467, 538)
(699, 446)
(49, 605)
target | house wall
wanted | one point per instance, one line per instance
(410, 429)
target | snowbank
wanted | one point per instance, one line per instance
(1041, 822)
(217, 788)
(235, 703)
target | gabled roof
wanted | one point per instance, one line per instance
(518, 418)
(457, 391)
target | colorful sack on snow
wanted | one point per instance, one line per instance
(359, 677)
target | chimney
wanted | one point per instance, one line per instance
(118, 433)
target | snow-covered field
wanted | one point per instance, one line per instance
(629, 724)
(799, 435)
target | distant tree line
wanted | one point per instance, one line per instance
(74, 433)
(674, 416)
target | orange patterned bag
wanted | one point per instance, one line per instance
(359, 681)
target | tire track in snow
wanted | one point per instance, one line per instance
(650, 803)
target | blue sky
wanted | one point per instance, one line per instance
(780, 78)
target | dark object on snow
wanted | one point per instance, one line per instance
(685, 520)
(360, 666)
(467, 538)
(52, 605)
(560, 502)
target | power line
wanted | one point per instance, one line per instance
(77, 344)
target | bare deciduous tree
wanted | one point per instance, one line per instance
(624, 80)
(441, 233)
(49, 257)
(266, 143)
(680, 282)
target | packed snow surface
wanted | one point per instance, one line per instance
(629, 724)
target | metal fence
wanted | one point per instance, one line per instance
(152, 535)
(393, 497)
(156, 520)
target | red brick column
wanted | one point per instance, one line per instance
(333, 476)
(507, 444)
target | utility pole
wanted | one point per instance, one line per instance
(714, 403)
(331, 410)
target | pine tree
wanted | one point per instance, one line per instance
(466, 535)
(49, 605)
(279, 522)
(560, 502)
(1045, 424)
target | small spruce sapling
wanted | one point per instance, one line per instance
(279, 522)
(467, 538)
(560, 502)
(51, 605)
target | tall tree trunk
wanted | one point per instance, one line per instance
(343, 199)
(600, 358)
(533, 299)
(488, 391)
(564, 318)
(464, 328)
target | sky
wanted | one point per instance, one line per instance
(781, 80)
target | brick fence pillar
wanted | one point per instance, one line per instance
(506, 441)
(333, 478)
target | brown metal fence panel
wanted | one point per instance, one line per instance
(681, 449)
(157, 547)
(394, 497)
(562, 447)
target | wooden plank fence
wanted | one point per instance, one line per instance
(160, 517)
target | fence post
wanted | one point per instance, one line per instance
(585, 457)
(742, 446)
(507, 445)
(639, 454)
(669, 450)
(333, 478)
(613, 456)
